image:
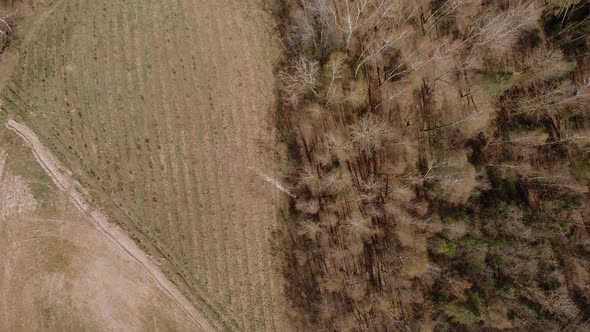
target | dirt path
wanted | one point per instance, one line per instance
(2, 163)
(65, 182)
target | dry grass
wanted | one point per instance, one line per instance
(160, 110)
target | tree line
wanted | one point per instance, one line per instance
(439, 164)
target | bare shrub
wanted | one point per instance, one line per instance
(455, 230)
(496, 316)
(558, 302)
(509, 222)
(518, 262)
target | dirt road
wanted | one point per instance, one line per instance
(65, 182)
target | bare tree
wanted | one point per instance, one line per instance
(299, 79)
(356, 18)
(352, 19)
(552, 98)
(581, 97)
(373, 52)
(499, 32)
(312, 27)
(7, 28)
(334, 71)
(5, 31)
(310, 229)
(338, 143)
(369, 134)
(360, 226)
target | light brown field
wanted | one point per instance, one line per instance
(57, 271)
(162, 111)
(118, 238)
